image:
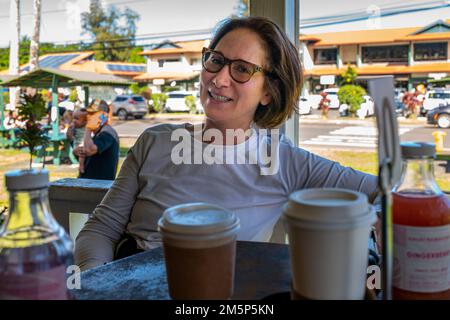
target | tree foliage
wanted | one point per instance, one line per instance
(112, 29)
(349, 75)
(24, 51)
(31, 111)
(135, 57)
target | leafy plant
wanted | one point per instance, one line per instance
(352, 95)
(190, 103)
(134, 87)
(31, 111)
(170, 89)
(158, 101)
(349, 75)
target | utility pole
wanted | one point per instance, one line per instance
(14, 18)
(34, 45)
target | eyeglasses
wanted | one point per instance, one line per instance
(240, 71)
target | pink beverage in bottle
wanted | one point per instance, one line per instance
(35, 250)
(421, 217)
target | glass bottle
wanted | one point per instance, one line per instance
(421, 228)
(35, 250)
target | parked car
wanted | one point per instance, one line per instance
(124, 106)
(304, 106)
(440, 116)
(198, 104)
(435, 98)
(176, 101)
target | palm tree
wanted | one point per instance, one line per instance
(14, 13)
(34, 45)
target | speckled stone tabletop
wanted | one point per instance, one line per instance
(262, 270)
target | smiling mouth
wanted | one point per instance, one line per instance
(218, 98)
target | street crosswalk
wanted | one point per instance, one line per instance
(351, 136)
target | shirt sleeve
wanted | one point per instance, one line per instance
(103, 141)
(96, 242)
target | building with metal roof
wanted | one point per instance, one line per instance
(84, 62)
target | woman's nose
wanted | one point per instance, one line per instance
(222, 78)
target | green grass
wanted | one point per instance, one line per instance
(368, 162)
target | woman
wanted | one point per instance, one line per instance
(251, 81)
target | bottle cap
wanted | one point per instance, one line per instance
(417, 150)
(26, 179)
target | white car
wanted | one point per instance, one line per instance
(176, 101)
(198, 104)
(367, 108)
(304, 106)
(435, 98)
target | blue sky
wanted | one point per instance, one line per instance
(60, 18)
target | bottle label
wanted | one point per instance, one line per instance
(421, 258)
(40, 285)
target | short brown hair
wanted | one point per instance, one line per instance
(285, 81)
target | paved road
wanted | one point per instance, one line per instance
(314, 132)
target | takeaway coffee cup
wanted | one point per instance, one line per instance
(328, 232)
(199, 242)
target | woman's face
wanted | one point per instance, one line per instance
(227, 103)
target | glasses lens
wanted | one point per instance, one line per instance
(241, 71)
(213, 61)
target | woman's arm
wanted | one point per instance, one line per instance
(96, 242)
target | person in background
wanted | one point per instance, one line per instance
(100, 144)
(75, 133)
(66, 121)
(324, 104)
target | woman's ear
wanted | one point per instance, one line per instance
(266, 99)
(270, 86)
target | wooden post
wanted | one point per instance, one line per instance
(86, 96)
(286, 14)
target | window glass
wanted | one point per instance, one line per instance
(325, 56)
(430, 51)
(385, 54)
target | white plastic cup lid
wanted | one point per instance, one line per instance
(197, 219)
(327, 205)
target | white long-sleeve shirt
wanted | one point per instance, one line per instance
(152, 179)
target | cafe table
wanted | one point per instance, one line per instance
(262, 271)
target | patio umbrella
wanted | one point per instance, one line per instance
(389, 160)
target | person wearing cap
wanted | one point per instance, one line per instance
(250, 82)
(100, 146)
